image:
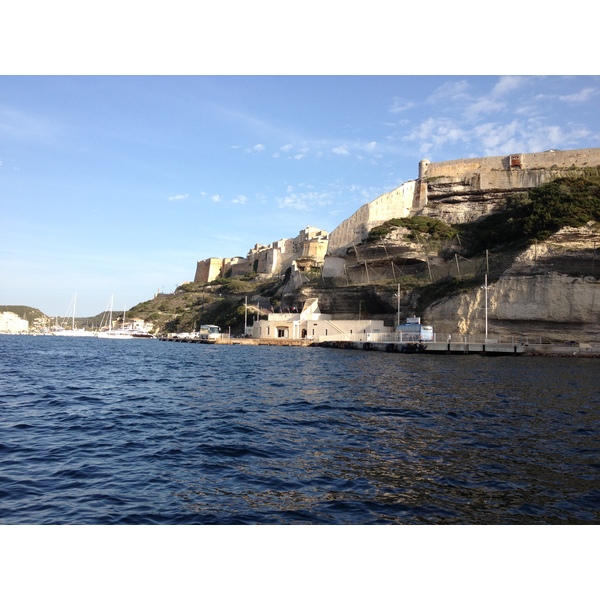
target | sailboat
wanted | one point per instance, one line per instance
(73, 332)
(124, 332)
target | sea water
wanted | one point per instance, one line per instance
(97, 431)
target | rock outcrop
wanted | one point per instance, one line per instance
(538, 295)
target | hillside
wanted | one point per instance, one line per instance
(553, 229)
(25, 312)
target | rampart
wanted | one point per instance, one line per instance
(495, 167)
(394, 204)
(308, 249)
(208, 269)
(469, 176)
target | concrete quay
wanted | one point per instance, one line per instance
(431, 347)
(491, 348)
(226, 341)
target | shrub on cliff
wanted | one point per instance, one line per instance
(434, 228)
(536, 214)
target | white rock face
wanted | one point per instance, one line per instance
(549, 297)
(515, 303)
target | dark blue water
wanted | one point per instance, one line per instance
(140, 431)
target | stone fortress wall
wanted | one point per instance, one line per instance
(395, 204)
(450, 178)
(472, 186)
(306, 250)
(495, 167)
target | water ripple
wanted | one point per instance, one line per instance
(94, 431)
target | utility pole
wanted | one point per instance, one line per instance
(485, 287)
(398, 296)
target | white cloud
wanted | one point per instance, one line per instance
(304, 197)
(435, 133)
(452, 90)
(482, 106)
(400, 105)
(294, 201)
(240, 199)
(341, 151)
(286, 148)
(532, 135)
(497, 138)
(507, 84)
(216, 198)
(256, 149)
(582, 96)
(304, 200)
(178, 197)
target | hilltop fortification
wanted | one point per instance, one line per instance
(457, 191)
(453, 191)
(305, 251)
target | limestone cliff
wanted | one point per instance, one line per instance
(536, 296)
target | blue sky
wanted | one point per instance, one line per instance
(119, 184)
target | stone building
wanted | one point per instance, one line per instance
(311, 324)
(208, 270)
(12, 323)
(305, 251)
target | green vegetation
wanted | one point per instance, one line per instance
(220, 302)
(536, 214)
(524, 217)
(443, 288)
(434, 228)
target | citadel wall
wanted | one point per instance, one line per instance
(553, 160)
(309, 247)
(465, 183)
(395, 204)
(208, 270)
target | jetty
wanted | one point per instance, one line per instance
(490, 347)
(464, 347)
(227, 341)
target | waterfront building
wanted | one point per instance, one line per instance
(12, 323)
(311, 324)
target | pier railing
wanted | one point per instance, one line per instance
(395, 338)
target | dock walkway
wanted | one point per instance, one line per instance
(491, 348)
